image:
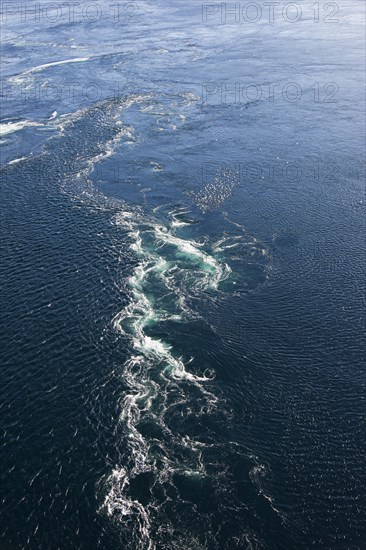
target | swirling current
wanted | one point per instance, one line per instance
(183, 281)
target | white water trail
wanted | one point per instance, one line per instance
(154, 370)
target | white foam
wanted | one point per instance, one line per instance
(179, 223)
(217, 271)
(10, 127)
(15, 161)
(158, 292)
(40, 68)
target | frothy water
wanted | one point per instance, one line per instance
(10, 127)
(183, 279)
(165, 384)
(170, 270)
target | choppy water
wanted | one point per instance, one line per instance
(182, 277)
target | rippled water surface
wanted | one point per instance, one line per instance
(183, 284)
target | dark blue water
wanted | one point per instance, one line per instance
(183, 276)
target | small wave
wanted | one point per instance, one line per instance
(258, 474)
(15, 161)
(10, 127)
(19, 77)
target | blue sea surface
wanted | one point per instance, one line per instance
(183, 276)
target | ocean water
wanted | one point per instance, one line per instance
(183, 276)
